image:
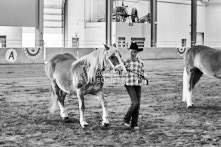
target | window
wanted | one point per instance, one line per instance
(183, 41)
(2, 41)
(121, 42)
(75, 42)
(140, 41)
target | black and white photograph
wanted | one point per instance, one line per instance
(110, 73)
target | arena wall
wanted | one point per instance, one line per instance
(154, 53)
(38, 55)
(21, 55)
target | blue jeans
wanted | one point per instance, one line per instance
(133, 112)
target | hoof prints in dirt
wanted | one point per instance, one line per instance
(164, 119)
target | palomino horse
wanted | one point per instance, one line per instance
(199, 60)
(83, 76)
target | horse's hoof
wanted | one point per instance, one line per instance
(105, 125)
(190, 107)
(84, 124)
(66, 119)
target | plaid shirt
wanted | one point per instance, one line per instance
(135, 70)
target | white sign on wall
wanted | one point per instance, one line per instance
(11, 55)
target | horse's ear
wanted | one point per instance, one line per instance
(106, 46)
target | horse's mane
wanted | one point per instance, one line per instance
(91, 62)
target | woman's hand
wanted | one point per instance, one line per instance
(145, 76)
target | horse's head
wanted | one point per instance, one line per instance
(113, 57)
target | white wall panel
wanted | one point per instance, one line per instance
(138, 30)
(53, 17)
(19, 13)
(74, 20)
(174, 23)
(213, 37)
(13, 36)
(52, 11)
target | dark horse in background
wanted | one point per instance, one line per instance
(199, 60)
(83, 76)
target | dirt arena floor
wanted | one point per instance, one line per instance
(164, 119)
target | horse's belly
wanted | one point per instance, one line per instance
(93, 89)
(209, 66)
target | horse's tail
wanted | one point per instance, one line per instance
(53, 102)
(185, 84)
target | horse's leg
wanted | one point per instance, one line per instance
(57, 99)
(61, 97)
(186, 78)
(189, 90)
(53, 102)
(100, 97)
(80, 96)
(194, 78)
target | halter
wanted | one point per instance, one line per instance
(108, 55)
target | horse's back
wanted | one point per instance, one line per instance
(55, 60)
(61, 57)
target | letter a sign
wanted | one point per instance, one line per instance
(11, 55)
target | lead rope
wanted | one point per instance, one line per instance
(139, 74)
